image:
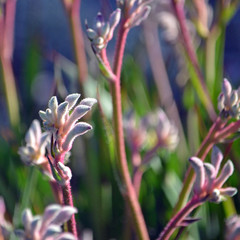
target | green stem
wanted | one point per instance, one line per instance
(205, 147)
(130, 194)
(200, 85)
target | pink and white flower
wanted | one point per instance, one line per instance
(209, 182)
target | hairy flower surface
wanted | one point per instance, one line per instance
(233, 228)
(47, 226)
(34, 151)
(134, 11)
(165, 130)
(102, 32)
(229, 101)
(208, 183)
(62, 119)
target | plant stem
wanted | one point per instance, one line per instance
(67, 197)
(67, 200)
(179, 217)
(73, 11)
(130, 195)
(205, 147)
(6, 50)
(178, 6)
(162, 81)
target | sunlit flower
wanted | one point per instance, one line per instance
(229, 101)
(47, 226)
(233, 228)
(165, 130)
(102, 32)
(34, 151)
(134, 11)
(208, 184)
(62, 119)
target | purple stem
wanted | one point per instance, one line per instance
(179, 217)
(130, 195)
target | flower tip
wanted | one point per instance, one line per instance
(226, 87)
(216, 157)
(195, 161)
(229, 191)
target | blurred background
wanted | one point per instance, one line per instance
(155, 74)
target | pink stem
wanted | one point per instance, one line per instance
(205, 147)
(131, 196)
(179, 217)
(8, 37)
(67, 197)
(68, 200)
(178, 6)
(149, 155)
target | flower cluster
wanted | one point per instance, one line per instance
(61, 120)
(165, 130)
(103, 31)
(229, 101)
(136, 132)
(47, 226)
(208, 185)
(233, 228)
(135, 11)
(34, 151)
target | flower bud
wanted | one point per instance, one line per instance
(226, 87)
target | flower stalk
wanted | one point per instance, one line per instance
(130, 195)
(179, 217)
(178, 6)
(205, 147)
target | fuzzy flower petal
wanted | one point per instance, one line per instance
(226, 172)
(77, 130)
(197, 164)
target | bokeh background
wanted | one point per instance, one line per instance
(44, 64)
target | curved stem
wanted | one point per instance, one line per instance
(205, 147)
(179, 217)
(178, 6)
(130, 194)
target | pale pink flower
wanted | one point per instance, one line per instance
(102, 32)
(47, 226)
(62, 120)
(34, 151)
(209, 180)
(229, 101)
(134, 11)
(233, 228)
